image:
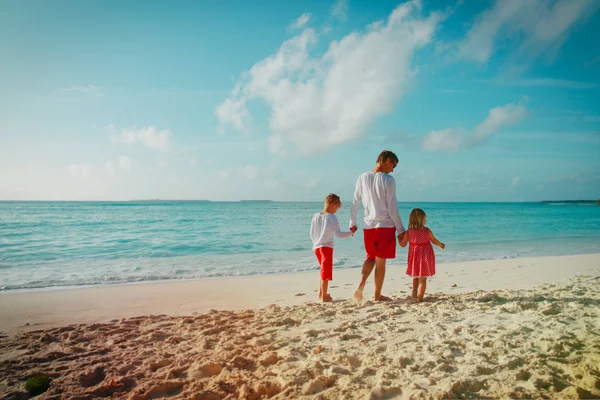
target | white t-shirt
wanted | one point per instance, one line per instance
(322, 229)
(377, 191)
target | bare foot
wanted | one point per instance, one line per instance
(384, 298)
(327, 299)
(358, 293)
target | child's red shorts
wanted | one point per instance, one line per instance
(325, 257)
(380, 242)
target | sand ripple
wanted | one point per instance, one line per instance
(541, 343)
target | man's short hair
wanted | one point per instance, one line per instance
(386, 155)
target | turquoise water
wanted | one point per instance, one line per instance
(50, 244)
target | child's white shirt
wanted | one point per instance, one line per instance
(322, 229)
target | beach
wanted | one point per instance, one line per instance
(519, 328)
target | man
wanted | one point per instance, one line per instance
(377, 191)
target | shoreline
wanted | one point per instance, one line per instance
(394, 264)
(43, 309)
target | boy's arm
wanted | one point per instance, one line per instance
(355, 204)
(337, 230)
(392, 206)
(435, 241)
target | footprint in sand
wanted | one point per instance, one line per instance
(300, 294)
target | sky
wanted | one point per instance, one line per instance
(225, 100)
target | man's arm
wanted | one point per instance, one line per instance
(392, 205)
(355, 203)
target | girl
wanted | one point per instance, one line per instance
(421, 258)
(322, 228)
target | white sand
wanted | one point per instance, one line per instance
(530, 331)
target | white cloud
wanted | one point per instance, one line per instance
(340, 9)
(110, 167)
(249, 172)
(452, 140)
(149, 137)
(516, 181)
(80, 170)
(539, 26)
(449, 140)
(320, 102)
(92, 90)
(300, 22)
(122, 162)
(548, 82)
(193, 161)
(498, 117)
(233, 111)
(125, 163)
(223, 174)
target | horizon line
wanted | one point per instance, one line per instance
(285, 201)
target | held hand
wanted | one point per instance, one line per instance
(353, 229)
(443, 246)
(400, 237)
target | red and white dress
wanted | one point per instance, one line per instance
(421, 258)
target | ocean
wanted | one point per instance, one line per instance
(65, 244)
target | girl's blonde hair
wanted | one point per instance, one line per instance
(416, 219)
(331, 199)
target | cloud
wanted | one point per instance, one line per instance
(233, 111)
(449, 140)
(193, 161)
(516, 181)
(452, 140)
(122, 162)
(249, 172)
(80, 170)
(149, 137)
(125, 163)
(320, 102)
(538, 26)
(547, 82)
(498, 117)
(340, 9)
(300, 22)
(92, 90)
(110, 167)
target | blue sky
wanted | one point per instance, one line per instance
(481, 100)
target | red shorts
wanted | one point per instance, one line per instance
(325, 257)
(380, 242)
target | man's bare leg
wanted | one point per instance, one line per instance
(379, 278)
(364, 275)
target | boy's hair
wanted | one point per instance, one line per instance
(386, 155)
(416, 219)
(332, 199)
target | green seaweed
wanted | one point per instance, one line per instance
(37, 384)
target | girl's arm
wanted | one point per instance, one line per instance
(403, 240)
(435, 241)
